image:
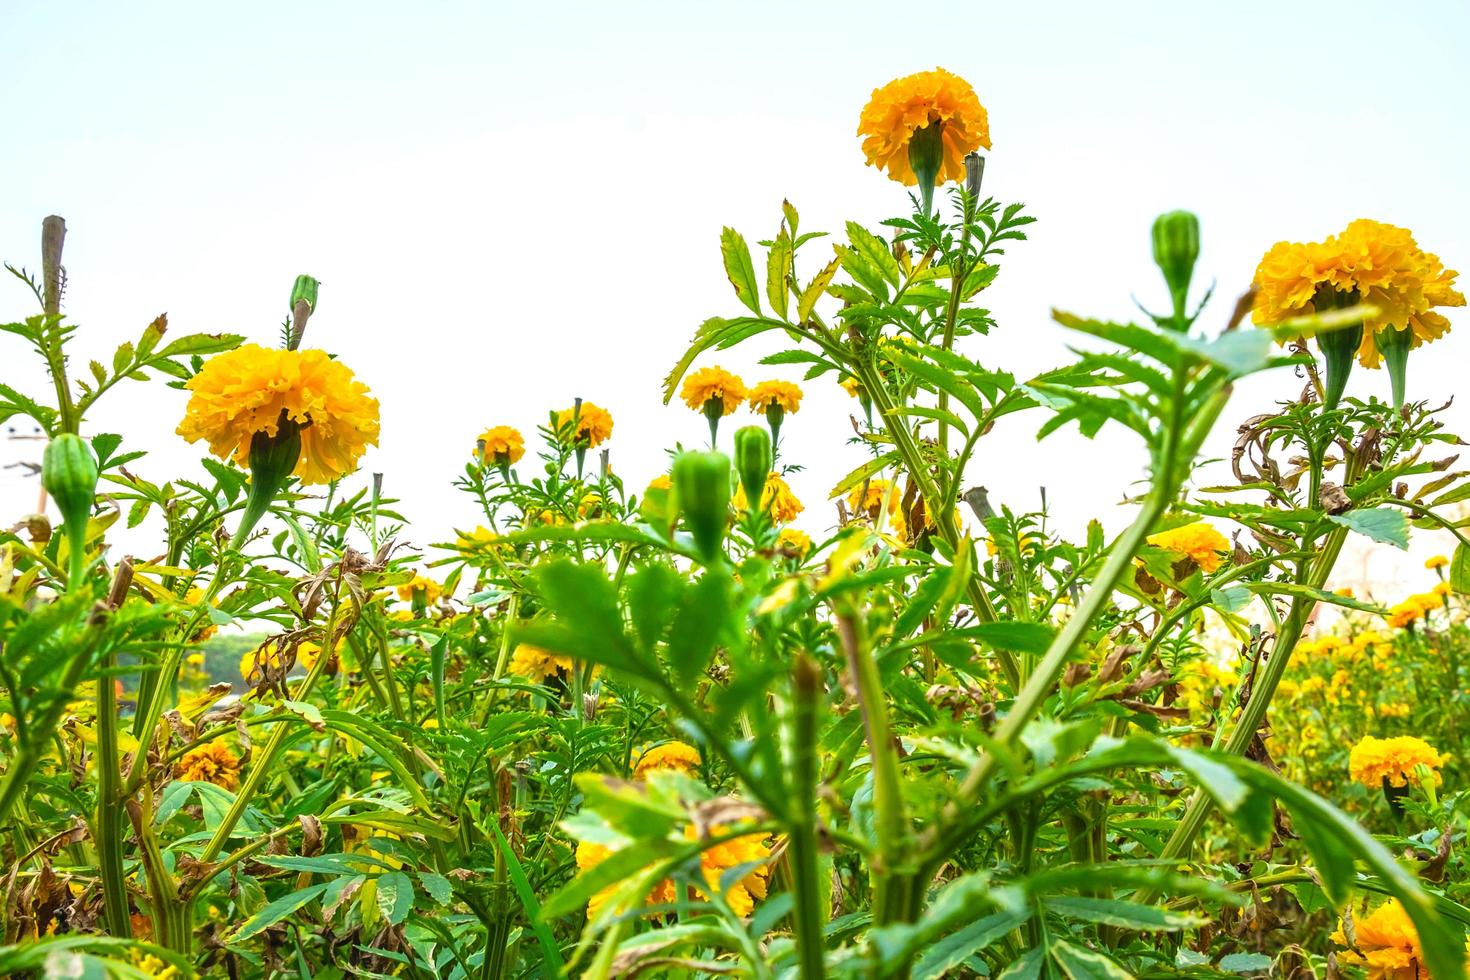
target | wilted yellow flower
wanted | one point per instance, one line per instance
(851, 386)
(1373, 760)
(794, 540)
(1438, 561)
(252, 389)
(713, 384)
(430, 589)
(501, 445)
(1198, 541)
(905, 105)
(1387, 944)
(873, 497)
(594, 425)
(537, 664)
(776, 500)
(781, 394)
(1379, 263)
(212, 762)
(675, 756)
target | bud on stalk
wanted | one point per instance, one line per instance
(69, 474)
(1394, 345)
(702, 492)
(1176, 247)
(272, 460)
(753, 460)
(926, 156)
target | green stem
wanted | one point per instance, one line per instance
(807, 890)
(107, 822)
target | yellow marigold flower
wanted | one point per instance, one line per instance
(1198, 541)
(252, 388)
(781, 394)
(715, 861)
(1441, 589)
(776, 500)
(1404, 613)
(1387, 944)
(794, 540)
(481, 537)
(903, 106)
(1378, 262)
(851, 386)
(594, 425)
(673, 756)
(212, 762)
(537, 664)
(1373, 760)
(501, 445)
(590, 855)
(661, 482)
(713, 384)
(421, 583)
(195, 597)
(875, 496)
(1438, 561)
(195, 660)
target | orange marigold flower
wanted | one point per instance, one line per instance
(593, 425)
(501, 445)
(794, 540)
(212, 762)
(903, 106)
(252, 389)
(1374, 760)
(778, 394)
(1198, 541)
(673, 756)
(537, 664)
(776, 500)
(713, 384)
(872, 497)
(1387, 944)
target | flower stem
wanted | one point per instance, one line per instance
(807, 892)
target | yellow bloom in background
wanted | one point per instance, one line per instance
(481, 537)
(1380, 263)
(590, 855)
(713, 384)
(776, 500)
(661, 482)
(671, 756)
(421, 583)
(1387, 944)
(1198, 541)
(195, 660)
(1438, 561)
(905, 105)
(195, 597)
(782, 394)
(209, 763)
(794, 540)
(851, 386)
(715, 861)
(594, 424)
(537, 664)
(1373, 760)
(501, 445)
(870, 498)
(252, 388)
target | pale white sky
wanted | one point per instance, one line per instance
(509, 207)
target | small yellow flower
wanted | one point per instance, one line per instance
(1374, 760)
(430, 589)
(537, 664)
(780, 394)
(905, 105)
(661, 482)
(876, 496)
(195, 660)
(252, 389)
(1198, 541)
(671, 756)
(195, 597)
(501, 445)
(851, 386)
(776, 499)
(713, 384)
(212, 762)
(594, 425)
(794, 540)
(1387, 944)
(1438, 561)
(477, 540)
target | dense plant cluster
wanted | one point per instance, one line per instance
(656, 728)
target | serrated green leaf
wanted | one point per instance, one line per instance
(738, 267)
(1387, 525)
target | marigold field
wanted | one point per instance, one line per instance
(664, 725)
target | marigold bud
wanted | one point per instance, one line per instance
(926, 156)
(69, 474)
(702, 490)
(753, 459)
(304, 289)
(1176, 247)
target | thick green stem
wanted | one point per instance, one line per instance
(802, 832)
(107, 821)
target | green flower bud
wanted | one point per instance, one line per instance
(1176, 247)
(304, 289)
(1339, 347)
(753, 459)
(926, 156)
(272, 460)
(1394, 345)
(69, 474)
(702, 491)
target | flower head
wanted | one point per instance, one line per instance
(852, 386)
(252, 389)
(713, 384)
(1374, 760)
(776, 500)
(212, 762)
(501, 445)
(1437, 562)
(794, 540)
(1387, 944)
(1198, 541)
(537, 664)
(872, 497)
(423, 585)
(593, 424)
(775, 394)
(672, 756)
(906, 105)
(661, 482)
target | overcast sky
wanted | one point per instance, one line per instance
(512, 205)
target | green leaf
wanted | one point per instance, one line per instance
(863, 472)
(550, 953)
(1239, 352)
(738, 267)
(1125, 915)
(816, 289)
(702, 623)
(1245, 962)
(653, 596)
(960, 945)
(1028, 966)
(1013, 635)
(437, 886)
(202, 343)
(778, 276)
(1300, 591)
(1079, 963)
(275, 911)
(1460, 569)
(395, 896)
(1387, 525)
(586, 608)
